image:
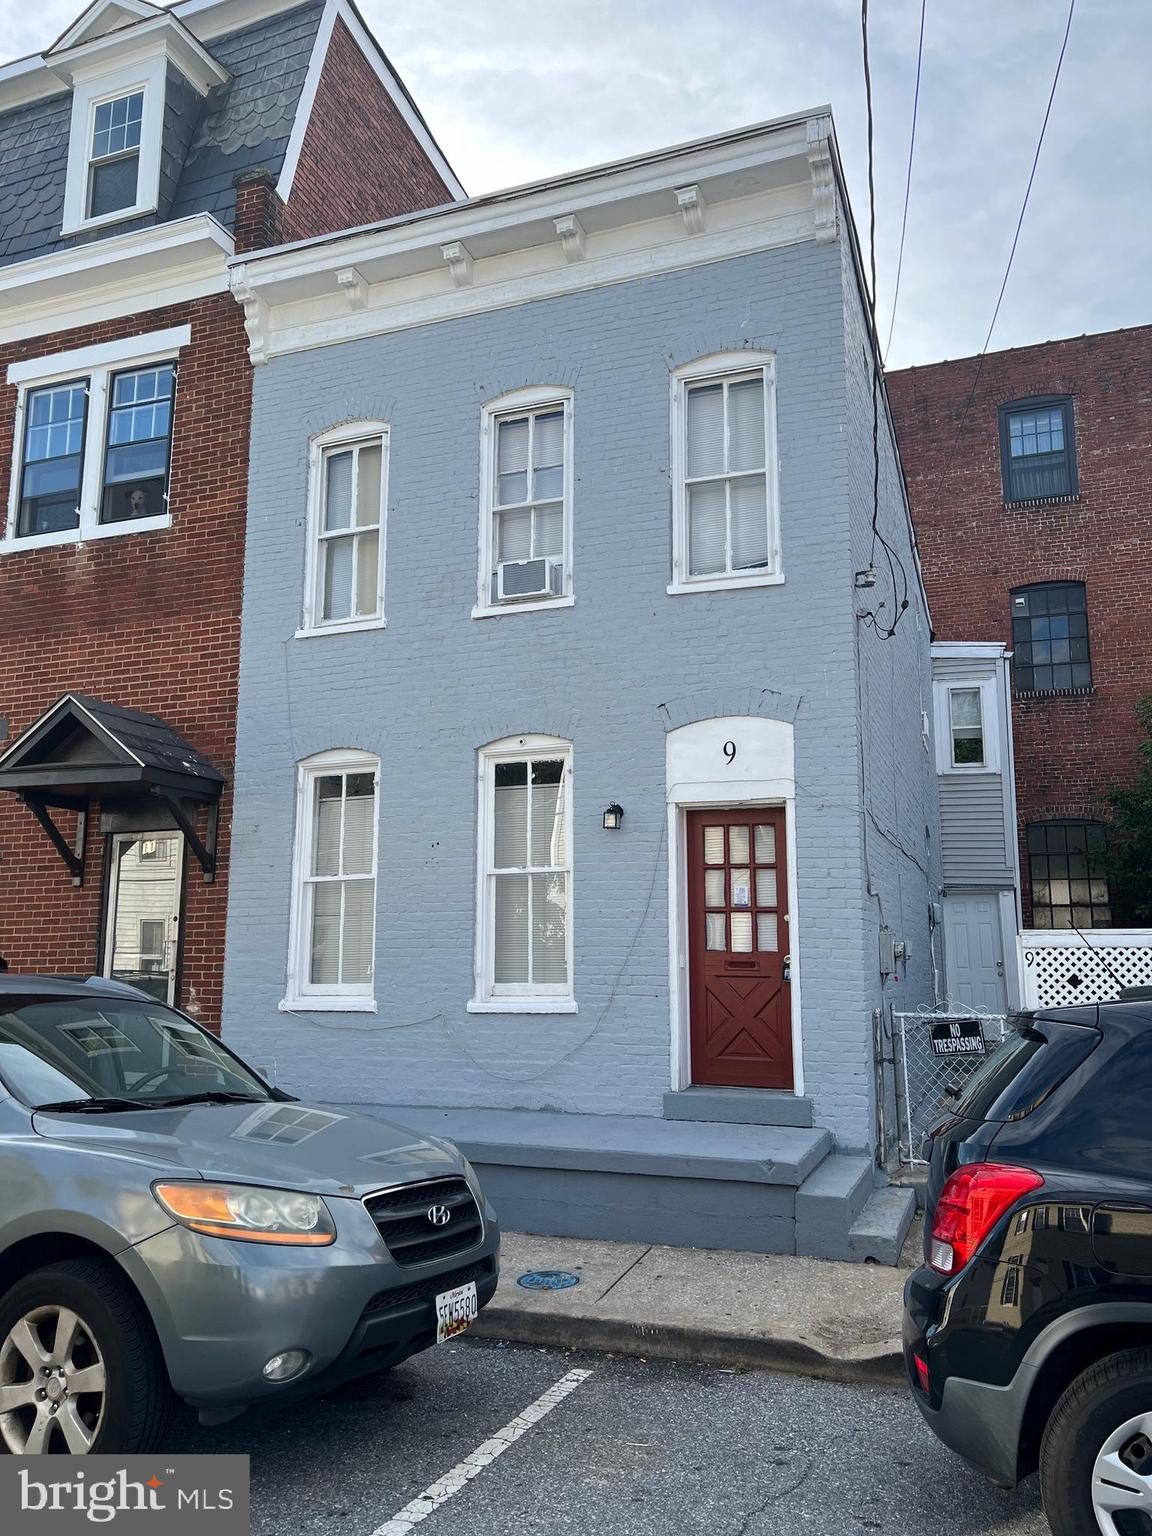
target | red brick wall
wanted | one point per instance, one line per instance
(147, 620)
(360, 161)
(1069, 750)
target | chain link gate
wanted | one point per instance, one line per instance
(922, 1078)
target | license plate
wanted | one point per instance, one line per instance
(455, 1310)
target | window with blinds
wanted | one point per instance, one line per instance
(726, 517)
(1038, 449)
(526, 501)
(525, 929)
(345, 581)
(334, 899)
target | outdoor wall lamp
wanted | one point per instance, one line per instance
(613, 817)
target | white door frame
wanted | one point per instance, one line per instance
(701, 777)
(109, 945)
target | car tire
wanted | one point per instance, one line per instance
(1099, 1406)
(114, 1340)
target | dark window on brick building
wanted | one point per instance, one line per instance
(1050, 638)
(1067, 867)
(1038, 449)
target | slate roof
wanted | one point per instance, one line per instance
(241, 125)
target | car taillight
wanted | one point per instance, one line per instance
(971, 1203)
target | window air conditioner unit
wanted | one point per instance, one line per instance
(527, 578)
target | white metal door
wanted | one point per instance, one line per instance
(141, 935)
(974, 952)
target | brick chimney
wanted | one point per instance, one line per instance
(258, 210)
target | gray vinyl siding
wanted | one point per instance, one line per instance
(976, 840)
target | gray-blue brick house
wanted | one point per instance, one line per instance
(558, 503)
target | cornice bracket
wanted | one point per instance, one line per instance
(351, 283)
(459, 260)
(572, 237)
(255, 317)
(692, 206)
(823, 179)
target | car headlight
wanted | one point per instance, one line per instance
(249, 1213)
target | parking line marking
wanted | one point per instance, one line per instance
(439, 1492)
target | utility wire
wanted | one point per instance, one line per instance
(899, 597)
(1015, 242)
(907, 180)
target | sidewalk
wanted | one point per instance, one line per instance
(742, 1310)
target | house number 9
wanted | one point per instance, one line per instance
(730, 751)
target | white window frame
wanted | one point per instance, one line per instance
(302, 995)
(348, 435)
(96, 365)
(989, 718)
(148, 76)
(515, 403)
(518, 997)
(721, 367)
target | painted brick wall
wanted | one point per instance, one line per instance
(610, 673)
(1069, 749)
(148, 620)
(356, 166)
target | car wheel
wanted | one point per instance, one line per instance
(80, 1369)
(1096, 1454)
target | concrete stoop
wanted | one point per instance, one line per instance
(692, 1183)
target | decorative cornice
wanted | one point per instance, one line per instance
(353, 286)
(255, 316)
(459, 261)
(823, 178)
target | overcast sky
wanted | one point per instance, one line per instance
(520, 89)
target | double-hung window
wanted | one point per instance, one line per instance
(724, 481)
(347, 502)
(526, 502)
(332, 944)
(114, 154)
(524, 928)
(966, 726)
(1038, 449)
(93, 440)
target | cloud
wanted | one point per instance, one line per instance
(520, 89)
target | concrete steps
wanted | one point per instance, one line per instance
(738, 1106)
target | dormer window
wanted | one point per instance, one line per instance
(114, 162)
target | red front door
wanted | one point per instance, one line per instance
(741, 1003)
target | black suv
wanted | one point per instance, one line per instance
(1028, 1331)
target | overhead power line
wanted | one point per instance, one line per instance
(1015, 242)
(907, 179)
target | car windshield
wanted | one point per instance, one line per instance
(79, 1051)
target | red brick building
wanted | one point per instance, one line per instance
(1030, 473)
(137, 154)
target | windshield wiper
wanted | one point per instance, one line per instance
(96, 1106)
(211, 1096)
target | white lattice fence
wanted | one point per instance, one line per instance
(1061, 968)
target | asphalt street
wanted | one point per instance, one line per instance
(633, 1448)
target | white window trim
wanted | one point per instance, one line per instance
(97, 364)
(148, 76)
(346, 435)
(301, 995)
(720, 366)
(533, 398)
(943, 689)
(486, 999)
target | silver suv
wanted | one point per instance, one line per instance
(173, 1227)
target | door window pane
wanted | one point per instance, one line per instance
(741, 887)
(741, 933)
(715, 930)
(765, 887)
(767, 937)
(713, 845)
(144, 913)
(714, 888)
(766, 844)
(738, 844)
